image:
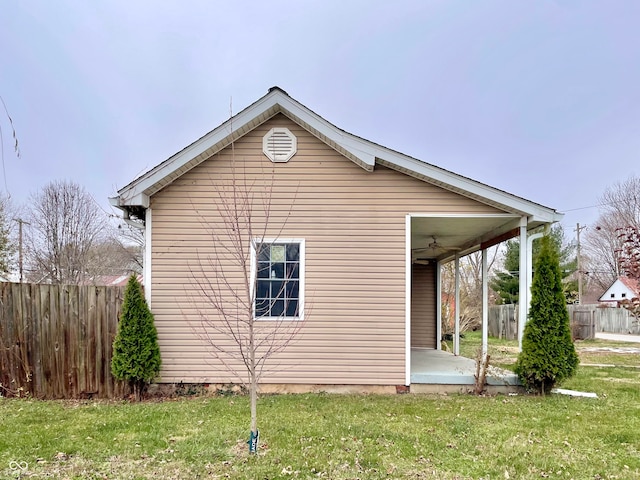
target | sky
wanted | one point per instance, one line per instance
(541, 99)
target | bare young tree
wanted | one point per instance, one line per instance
(249, 284)
(65, 225)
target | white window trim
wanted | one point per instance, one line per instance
(301, 273)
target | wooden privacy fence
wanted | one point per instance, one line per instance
(56, 340)
(503, 322)
(613, 320)
(586, 320)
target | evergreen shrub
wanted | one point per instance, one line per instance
(548, 354)
(136, 355)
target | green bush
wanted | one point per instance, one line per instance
(548, 355)
(136, 355)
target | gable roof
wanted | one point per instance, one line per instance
(632, 285)
(363, 152)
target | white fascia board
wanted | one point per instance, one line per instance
(461, 184)
(179, 160)
(274, 100)
(114, 202)
(363, 150)
(137, 198)
(360, 149)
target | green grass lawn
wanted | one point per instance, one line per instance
(505, 352)
(335, 436)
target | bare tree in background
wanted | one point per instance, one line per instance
(243, 324)
(111, 257)
(8, 242)
(607, 243)
(65, 225)
(131, 240)
(470, 290)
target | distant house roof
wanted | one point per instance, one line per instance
(112, 280)
(134, 197)
(631, 284)
(623, 288)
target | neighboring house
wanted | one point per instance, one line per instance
(365, 226)
(624, 288)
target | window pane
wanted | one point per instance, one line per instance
(262, 307)
(277, 280)
(277, 253)
(263, 270)
(263, 251)
(262, 290)
(293, 252)
(292, 270)
(292, 308)
(277, 289)
(277, 270)
(292, 289)
(277, 309)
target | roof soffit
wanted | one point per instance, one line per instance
(362, 152)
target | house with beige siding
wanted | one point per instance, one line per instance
(351, 238)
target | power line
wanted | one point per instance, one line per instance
(606, 204)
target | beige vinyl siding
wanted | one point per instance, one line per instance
(423, 306)
(353, 223)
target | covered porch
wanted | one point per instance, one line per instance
(444, 371)
(432, 241)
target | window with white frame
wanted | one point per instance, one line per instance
(279, 280)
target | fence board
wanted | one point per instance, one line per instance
(585, 321)
(56, 340)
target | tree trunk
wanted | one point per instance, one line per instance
(254, 404)
(253, 392)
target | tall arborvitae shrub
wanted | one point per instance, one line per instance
(548, 355)
(136, 355)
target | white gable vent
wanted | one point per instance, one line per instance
(279, 145)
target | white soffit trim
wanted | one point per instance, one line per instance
(276, 101)
(361, 151)
(469, 188)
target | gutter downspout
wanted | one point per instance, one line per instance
(522, 280)
(485, 305)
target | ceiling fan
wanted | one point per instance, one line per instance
(433, 249)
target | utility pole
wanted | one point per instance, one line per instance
(578, 230)
(20, 223)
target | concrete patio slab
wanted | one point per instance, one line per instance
(429, 366)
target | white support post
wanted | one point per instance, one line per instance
(146, 266)
(456, 332)
(407, 300)
(522, 280)
(485, 305)
(438, 306)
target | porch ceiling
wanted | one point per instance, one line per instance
(453, 234)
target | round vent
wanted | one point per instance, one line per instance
(279, 145)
